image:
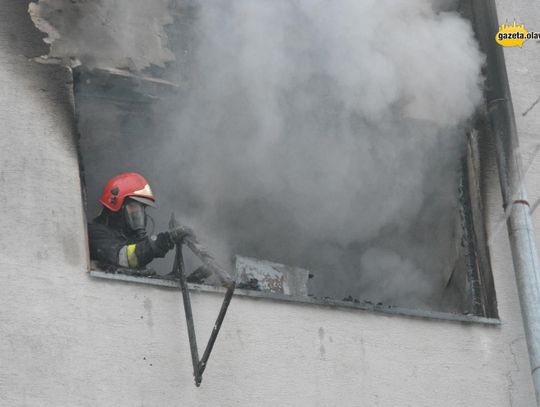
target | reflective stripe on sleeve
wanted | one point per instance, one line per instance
(132, 260)
(122, 257)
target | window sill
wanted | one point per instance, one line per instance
(384, 309)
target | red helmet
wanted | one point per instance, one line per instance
(128, 184)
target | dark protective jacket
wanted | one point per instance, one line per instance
(109, 244)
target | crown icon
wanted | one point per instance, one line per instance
(514, 27)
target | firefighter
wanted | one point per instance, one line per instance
(118, 235)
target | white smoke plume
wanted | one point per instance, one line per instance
(328, 135)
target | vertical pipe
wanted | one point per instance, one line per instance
(516, 206)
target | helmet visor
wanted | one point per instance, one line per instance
(135, 215)
(146, 201)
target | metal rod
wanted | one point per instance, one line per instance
(179, 266)
(520, 229)
(215, 331)
(197, 248)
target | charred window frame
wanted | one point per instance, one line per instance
(479, 284)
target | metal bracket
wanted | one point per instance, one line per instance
(199, 365)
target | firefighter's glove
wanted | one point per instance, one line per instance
(161, 244)
(179, 233)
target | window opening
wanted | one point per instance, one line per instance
(125, 119)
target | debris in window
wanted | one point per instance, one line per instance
(272, 277)
(127, 34)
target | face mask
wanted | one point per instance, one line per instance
(135, 217)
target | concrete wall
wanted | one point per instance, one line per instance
(69, 340)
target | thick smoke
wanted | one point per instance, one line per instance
(322, 134)
(328, 135)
